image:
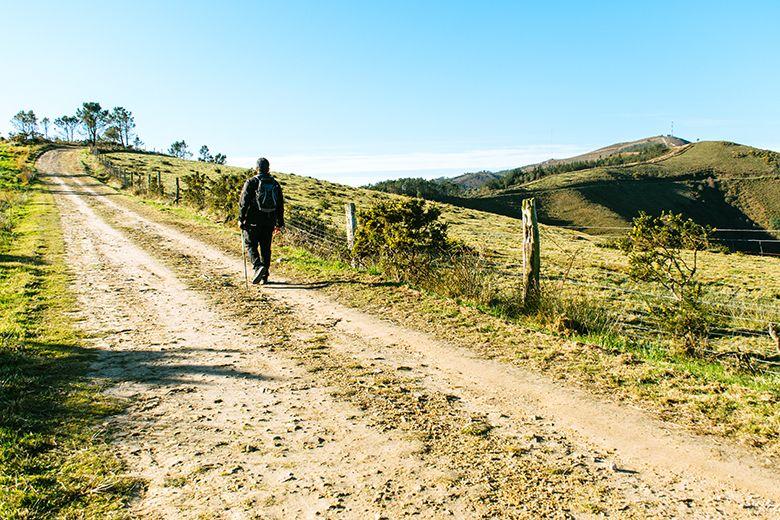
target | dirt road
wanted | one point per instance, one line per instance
(280, 403)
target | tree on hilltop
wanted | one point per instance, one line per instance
(124, 122)
(26, 124)
(204, 155)
(45, 124)
(94, 119)
(179, 149)
(67, 125)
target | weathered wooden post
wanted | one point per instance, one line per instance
(176, 200)
(148, 182)
(349, 210)
(531, 256)
(159, 184)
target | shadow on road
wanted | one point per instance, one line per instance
(168, 367)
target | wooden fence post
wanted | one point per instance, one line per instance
(159, 184)
(176, 200)
(349, 210)
(148, 182)
(531, 256)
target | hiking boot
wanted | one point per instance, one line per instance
(265, 275)
(259, 274)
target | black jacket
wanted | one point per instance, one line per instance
(250, 214)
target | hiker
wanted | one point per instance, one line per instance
(261, 214)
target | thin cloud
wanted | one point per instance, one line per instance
(424, 164)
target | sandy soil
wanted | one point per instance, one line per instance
(280, 403)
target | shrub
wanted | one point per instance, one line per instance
(664, 251)
(401, 237)
(223, 193)
(194, 191)
(155, 187)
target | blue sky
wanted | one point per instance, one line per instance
(359, 91)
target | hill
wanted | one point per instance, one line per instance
(722, 184)
(628, 150)
(473, 180)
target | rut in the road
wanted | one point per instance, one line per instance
(526, 465)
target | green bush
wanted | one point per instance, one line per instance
(401, 237)
(194, 190)
(223, 194)
(664, 251)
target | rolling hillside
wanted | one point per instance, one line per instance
(476, 180)
(722, 184)
(496, 235)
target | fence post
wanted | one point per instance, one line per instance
(148, 182)
(159, 184)
(349, 210)
(531, 256)
(176, 200)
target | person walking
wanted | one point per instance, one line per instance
(261, 214)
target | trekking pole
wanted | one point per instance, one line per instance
(243, 256)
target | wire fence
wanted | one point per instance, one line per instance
(734, 238)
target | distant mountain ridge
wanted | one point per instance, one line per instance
(474, 180)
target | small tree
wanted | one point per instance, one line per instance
(124, 123)
(67, 126)
(204, 155)
(113, 135)
(45, 124)
(220, 158)
(179, 149)
(93, 119)
(26, 124)
(664, 251)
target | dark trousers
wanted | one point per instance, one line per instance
(259, 238)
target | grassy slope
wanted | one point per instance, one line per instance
(497, 235)
(53, 462)
(707, 397)
(608, 196)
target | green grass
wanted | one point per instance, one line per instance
(54, 462)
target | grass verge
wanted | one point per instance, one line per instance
(54, 461)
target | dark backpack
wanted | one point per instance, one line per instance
(266, 195)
